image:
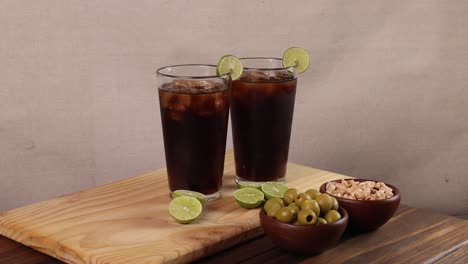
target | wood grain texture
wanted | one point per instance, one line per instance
(411, 236)
(457, 256)
(128, 221)
(12, 252)
(261, 249)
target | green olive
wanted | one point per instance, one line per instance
(306, 217)
(300, 198)
(296, 222)
(277, 200)
(335, 203)
(290, 195)
(273, 201)
(313, 193)
(272, 209)
(311, 204)
(295, 208)
(321, 221)
(325, 201)
(332, 216)
(284, 214)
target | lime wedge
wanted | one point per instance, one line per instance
(200, 196)
(297, 57)
(247, 184)
(185, 209)
(274, 189)
(249, 197)
(229, 64)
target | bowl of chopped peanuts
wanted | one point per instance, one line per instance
(370, 204)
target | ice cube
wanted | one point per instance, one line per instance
(268, 89)
(288, 87)
(244, 92)
(195, 86)
(183, 84)
(175, 115)
(180, 102)
(270, 75)
(284, 76)
(177, 105)
(254, 76)
(164, 98)
(221, 101)
(203, 104)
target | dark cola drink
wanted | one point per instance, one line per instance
(262, 109)
(194, 118)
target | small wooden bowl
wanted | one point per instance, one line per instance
(367, 215)
(304, 239)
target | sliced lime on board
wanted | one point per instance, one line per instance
(274, 189)
(185, 209)
(296, 57)
(247, 184)
(249, 197)
(199, 196)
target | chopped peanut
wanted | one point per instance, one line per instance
(366, 190)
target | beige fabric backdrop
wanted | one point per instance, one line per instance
(385, 97)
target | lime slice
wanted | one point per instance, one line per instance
(297, 57)
(249, 197)
(229, 64)
(274, 189)
(200, 196)
(247, 184)
(185, 209)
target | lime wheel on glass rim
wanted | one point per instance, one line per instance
(296, 57)
(231, 65)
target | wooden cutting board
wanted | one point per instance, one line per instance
(128, 221)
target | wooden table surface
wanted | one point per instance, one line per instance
(411, 236)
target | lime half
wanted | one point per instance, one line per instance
(229, 64)
(185, 209)
(249, 197)
(200, 196)
(247, 184)
(274, 189)
(297, 57)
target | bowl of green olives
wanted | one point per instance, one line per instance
(366, 213)
(305, 223)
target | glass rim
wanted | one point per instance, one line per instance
(265, 68)
(159, 73)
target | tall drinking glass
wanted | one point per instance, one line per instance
(194, 103)
(262, 109)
